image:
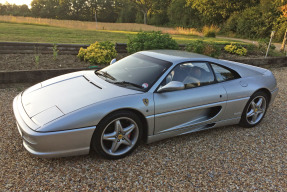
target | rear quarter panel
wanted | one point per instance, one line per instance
(240, 90)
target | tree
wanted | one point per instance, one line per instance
(126, 11)
(280, 24)
(107, 11)
(45, 8)
(12, 9)
(23, 10)
(93, 5)
(64, 9)
(80, 10)
(218, 11)
(181, 15)
(144, 6)
(254, 22)
(158, 13)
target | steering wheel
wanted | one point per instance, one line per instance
(190, 81)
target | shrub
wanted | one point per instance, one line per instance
(210, 31)
(249, 23)
(263, 45)
(149, 41)
(98, 53)
(235, 49)
(195, 46)
(202, 47)
(210, 34)
(252, 22)
(184, 31)
(55, 51)
(158, 18)
(231, 23)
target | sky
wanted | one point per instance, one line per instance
(17, 2)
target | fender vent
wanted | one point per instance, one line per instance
(214, 111)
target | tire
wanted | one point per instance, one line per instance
(117, 135)
(254, 110)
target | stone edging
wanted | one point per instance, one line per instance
(33, 76)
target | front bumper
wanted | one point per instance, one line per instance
(51, 144)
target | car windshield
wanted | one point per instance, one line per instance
(136, 71)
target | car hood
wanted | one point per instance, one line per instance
(51, 99)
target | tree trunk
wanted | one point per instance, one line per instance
(145, 17)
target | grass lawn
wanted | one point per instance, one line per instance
(47, 34)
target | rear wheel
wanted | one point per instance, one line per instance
(117, 135)
(254, 110)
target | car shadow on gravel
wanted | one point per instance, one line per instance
(91, 156)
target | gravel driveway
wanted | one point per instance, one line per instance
(224, 159)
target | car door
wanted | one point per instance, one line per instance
(195, 106)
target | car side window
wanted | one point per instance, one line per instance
(193, 74)
(223, 74)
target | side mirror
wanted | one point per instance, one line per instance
(113, 61)
(171, 86)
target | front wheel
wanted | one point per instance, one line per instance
(254, 110)
(117, 135)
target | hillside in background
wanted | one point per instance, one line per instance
(245, 18)
(65, 31)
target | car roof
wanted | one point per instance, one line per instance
(174, 55)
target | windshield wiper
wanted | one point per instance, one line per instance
(105, 74)
(128, 83)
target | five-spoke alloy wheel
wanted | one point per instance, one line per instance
(255, 110)
(117, 135)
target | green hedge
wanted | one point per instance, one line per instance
(150, 41)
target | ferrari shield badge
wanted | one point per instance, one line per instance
(146, 102)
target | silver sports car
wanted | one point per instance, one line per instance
(147, 96)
